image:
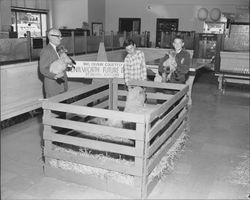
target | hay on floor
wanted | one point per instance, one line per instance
(97, 172)
(164, 167)
(240, 174)
(87, 154)
(167, 163)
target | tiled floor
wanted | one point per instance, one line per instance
(219, 135)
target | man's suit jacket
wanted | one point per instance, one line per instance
(52, 87)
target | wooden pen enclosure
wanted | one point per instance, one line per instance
(120, 160)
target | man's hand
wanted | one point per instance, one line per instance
(168, 76)
(173, 67)
(59, 75)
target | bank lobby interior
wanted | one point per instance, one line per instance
(214, 162)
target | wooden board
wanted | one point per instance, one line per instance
(102, 184)
(143, 151)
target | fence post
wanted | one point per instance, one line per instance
(162, 39)
(85, 41)
(172, 36)
(103, 36)
(112, 40)
(29, 47)
(131, 35)
(124, 35)
(148, 39)
(144, 39)
(73, 41)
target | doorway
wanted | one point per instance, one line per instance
(130, 24)
(165, 25)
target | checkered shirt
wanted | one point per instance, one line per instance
(135, 67)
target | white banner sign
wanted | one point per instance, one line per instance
(97, 69)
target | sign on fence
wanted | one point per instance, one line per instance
(97, 69)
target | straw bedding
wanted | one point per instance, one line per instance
(135, 104)
(166, 164)
(97, 172)
(240, 174)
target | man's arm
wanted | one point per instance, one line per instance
(44, 64)
(144, 69)
(183, 63)
(126, 71)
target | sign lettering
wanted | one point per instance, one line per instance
(96, 69)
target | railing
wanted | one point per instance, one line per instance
(13, 50)
(125, 160)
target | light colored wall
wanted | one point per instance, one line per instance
(72, 13)
(96, 12)
(69, 13)
(5, 15)
(150, 10)
(125, 9)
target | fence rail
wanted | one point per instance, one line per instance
(122, 159)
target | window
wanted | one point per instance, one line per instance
(23, 20)
(96, 28)
(130, 24)
(165, 25)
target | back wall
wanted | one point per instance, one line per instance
(150, 10)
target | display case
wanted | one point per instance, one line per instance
(208, 46)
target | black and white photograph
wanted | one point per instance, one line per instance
(125, 99)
